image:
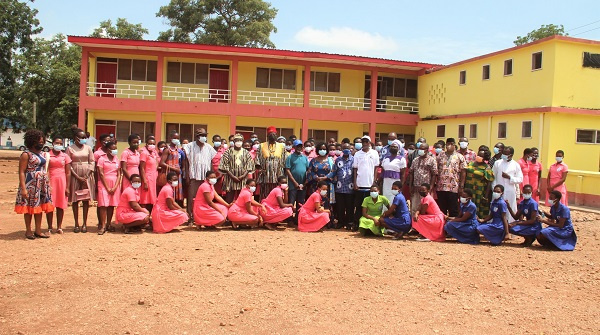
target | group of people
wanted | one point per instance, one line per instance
(401, 188)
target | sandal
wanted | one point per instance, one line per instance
(101, 231)
(59, 231)
(76, 229)
(29, 237)
(40, 235)
(84, 229)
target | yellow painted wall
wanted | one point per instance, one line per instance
(578, 156)
(388, 128)
(216, 124)
(345, 129)
(248, 93)
(574, 85)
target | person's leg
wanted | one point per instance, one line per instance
(28, 232)
(229, 197)
(109, 217)
(358, 200)
(75, 206)
(452, 204)
(349, 209)
(38, 225)
(415, 202)
(50, 219)
(60, 213)
(293, 192)
(192, 190)
(340, 198)
(86, 209)
(300, 198)
(102, 223)
(128, 227)
(442, 201)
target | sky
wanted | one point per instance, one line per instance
(437, 32)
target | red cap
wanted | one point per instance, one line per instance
(271, 129)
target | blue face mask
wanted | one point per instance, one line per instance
(358, 146)
(217, 144)
(438, 150)
(346, 152)
(82, 140)
(505, 158)
(496, 151)
(418, 145)
(374, 194)
(378, 148)
(559, 159)
(390, 142)
(322, 152)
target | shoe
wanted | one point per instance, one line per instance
(423, 240)
(30, 237)
(76, 229)
(84, 229)
(40, 235)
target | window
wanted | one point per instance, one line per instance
(323, 81)
(323, 135)
(588, 136)
(501, 129)
(508, 67)
(536, 61)
(186, 131)
(526, 129)
(591, 60)
(441, 130)
(136, 69)
(486, 72)
(463, 78)
(383, 137)
(461, 130)
(187, 73)
(396, 87)
(275, 78)
(473, 131)
(126, 128)
(261, 132)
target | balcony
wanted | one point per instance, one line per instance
(270, 98)
(128, 91)
(180, 93)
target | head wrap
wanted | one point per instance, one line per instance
(238, 137)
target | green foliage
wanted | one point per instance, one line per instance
(121, 30)
(219, 22)
(18, 24)
(543, 32)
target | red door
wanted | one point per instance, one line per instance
(103, 129)
(106, 85)
(218, 84)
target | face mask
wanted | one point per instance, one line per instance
(496, 195)
(238, 144)
(202, 139)
(161, 149)
(421, 152)
(479, 159)
(136, 185)
(255, 147)
(322, 152)
(338, 152)
(390, 142)
(231, 143)
(394, 151)
(225, 146)
(212, 181)
(464, 200)
(252, 189)
(175, 141)
(308, 149)
(323, 193)
(82, 140)
(284, 186)
(551, 202)
(529, 158)
(38, 146)
(114, 152)
(559, 159)
(134, 146)
(526, 196)
(418, 145)
(395, 192)
(332, 153)
(374, 194)
(346, 152)
(217, 144)
(358, 146)
(378, 148)
(411, 151)
(151, 147)
(496, 151)
(463, 145)
(175, 183)
(288, 148)
(437, 150)
(505, 158)
(401, 145)
(253, 139)
(59, 148)
(423, 194)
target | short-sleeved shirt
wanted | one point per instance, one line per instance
(424, 168)
(58, 161)
(245, 196)
(132, 161)
(401, 206)
(560, 212)
(342, 176)
(298, 165)
(529, 208)
(432, 206)
(449, 170)
(375, 208)
(498, 207)
(128, 195)
(99, 153)
(470, 155)
(365, 163)
(271, 199)
(109, 167)
(470, 207)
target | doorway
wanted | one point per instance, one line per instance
(106, 83)
(218, 84)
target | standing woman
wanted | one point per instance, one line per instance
(33, 197)
(207, 212)
(393, 168)
(130, 159)
(560, 232)
(557, 175)
(169, 162)
(495, 225)
(535, 174)
(83, 185)
(478, 178)
(109, 187)
(313, 216)
(59, 171)
(246, 211)
(149, 159)
(276, 203)
(167, 214)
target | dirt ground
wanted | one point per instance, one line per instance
(287, 282)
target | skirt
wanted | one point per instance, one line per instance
(370, 225)
(463, 232)
(106, 199)
(529, 230)
(277, 214)
(431, 226)
(164, 219)
(311, 221)
(563, 239)
(493, 232)
(399, 225)
(127, 216)
(208, 216)
(238, 214)
(76, 185)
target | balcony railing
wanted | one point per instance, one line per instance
(130, 91)
(336, 102)
(397, 106)
(270, 98)
(195, 94)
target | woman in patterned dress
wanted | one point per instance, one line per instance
(169, 162)
(33, 197)
(479, 177)
(318, 169)
(82, 177)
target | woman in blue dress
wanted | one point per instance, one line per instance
(495, 226)
(527, 224)
(318, 169)
(560, 233)
(464, 227)
(397, 217)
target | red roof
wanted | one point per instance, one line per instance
(247, 51)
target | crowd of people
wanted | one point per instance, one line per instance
(402, 189)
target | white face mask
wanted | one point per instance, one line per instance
(410, 151)
(526, 196)
(323, 193)
(175, 183)
(374, 194)
(463, 145)
(114, 152)
(394, 192)
(252, 189)
(212, 181)
(238, 144)
(284, 186)
(551, 202)
(421, 152)
(151, 147)
(255, 147)
(464, 200)
(308, 149)
(136, 185)
(496, 195)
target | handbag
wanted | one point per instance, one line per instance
(82, 195)
(161, 179)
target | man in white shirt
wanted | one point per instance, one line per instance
(199, 155)
(366, 161)
(508, 173)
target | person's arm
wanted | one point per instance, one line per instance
(561, 181)
(539, 185)
(124, 169)
(548, 186)
(173, 205)
(103, 179)
(366, 215)
(143, 174)
(258, 204)
(321, 209)
(68, 175)
(463, 177)
(518, 177)
(354, 172)
(23, 161)
(485, 219)
(291, 177)
(390, 212)
(136, 207)
(505, 223)
(283, 201)
(517, 215)
(221, 201)
(209, 201)
(250, 209)
(462, 216)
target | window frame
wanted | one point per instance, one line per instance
(471, 136)
(146, 126)
(530, 128)
(595, 136)
(541, 53)
(489, 69)
(437, 131)
(463, 130)
(462, 78)
(512, 64)
(196, 80)
(147, 63)
(505, 130)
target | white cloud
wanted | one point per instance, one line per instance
(347, 40)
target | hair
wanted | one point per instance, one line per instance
(173, 132)
(134, 176)
(102, 137)
(375, 187)
(560, 152)
(132, 137)
(109, 144)
(215, 136)
(281, 178)
(527, 186)
(247, 142)
(534, 149)
(208, 173)
(322, 144)
(487, 155)
(450, 140)
(160, 143)
(468, 192)
(76, 131)
(346, 140)
(150, 137)
(510, 149)
(527, 151)
(56, 137)
(307, 142)
(170, 175)
(501, 187)
(557, 194)
(410, 143)
(250, 180)
(292, 138)
(483, 147)
(356, 139)
(32, 137)
(427, 186)
(398, 183)
(321, 184)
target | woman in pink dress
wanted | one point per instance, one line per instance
(525, 164)
(557, 175)
(167, 214)
(130, 160)
(129, 212)
(535, 174)
(246, 211)
(207, 212)
(109, 186)
(313, 216)
(276, 204)
(429, 220)
(149, 159)
(59, 171)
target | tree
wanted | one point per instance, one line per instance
(219, 22)
(16, 30)
(121, 30)
(543, 32)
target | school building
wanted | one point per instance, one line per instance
(544, 94)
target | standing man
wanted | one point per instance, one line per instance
(451, 178)
(364, 167)
(386, 149)
(220, 148)
(464, 150)
(508, 173)
(415, 153)
(343, 178)
(498, 150)
(270, 159)
(296, 165)
(199, 157)
(422, 171)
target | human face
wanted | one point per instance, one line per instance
(138, 180)
(81, 138)
(423, 191)
(111, 151)
(535, 154)
(507, 153)
(135, 143)
(480, 155)
(394, 149)
(272, 137)
(450, 147)
(498, 149)
(58, 144)
(247, 146)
